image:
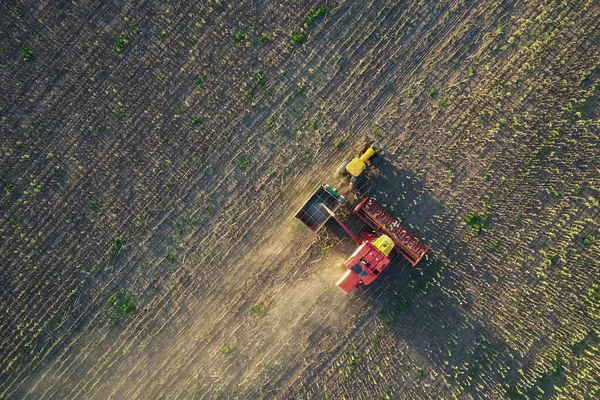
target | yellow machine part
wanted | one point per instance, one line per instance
(384, 244)
(367, 154)
(357, 166)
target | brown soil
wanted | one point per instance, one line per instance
(192, 132)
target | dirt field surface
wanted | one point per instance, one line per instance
(153, 154)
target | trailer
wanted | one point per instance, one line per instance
(312, 214)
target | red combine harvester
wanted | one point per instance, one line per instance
(374, 251)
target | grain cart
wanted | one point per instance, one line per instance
(374, 251)
(312, 214)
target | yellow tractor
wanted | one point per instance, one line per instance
(358, 166)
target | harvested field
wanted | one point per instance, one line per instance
(153, 154)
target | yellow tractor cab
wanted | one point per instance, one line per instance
(358, 165)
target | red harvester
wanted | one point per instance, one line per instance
(374, 251)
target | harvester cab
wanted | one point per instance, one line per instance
(374, 251)
(369, 260)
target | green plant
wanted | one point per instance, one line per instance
(208, 255)
(300, 90)
(228, 349)
(388, 393)
(353, 357)
(257, 309)
(211, 204)
(250, 92)
(239, 36)
(117, 245)
(378, 335)
(162, 34)
(314, 14)
(443, 102)
(471, 71)
(133, 26)
(180, 109)
(97, 205)
(269, 122)
(245, 162)
(578, 348)
(184, 225)
(26, 53)
(194, 390)
(339, 143)
(260, 78)
(476, 221)
(557, 366)
(221, 395)
(119, 109)
(9, 188)
(587, 240)
(499, 30)
(298, 37)
(120, 305)
(552, 258)
(263, 38)
(197, 121)
(60, 172)
(512, 393)
(432, 92)
(120, 42)
(200, 81)
(172, 256)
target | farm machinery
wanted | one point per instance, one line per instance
(374, 250)
(358, 166)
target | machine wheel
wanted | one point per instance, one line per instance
(341, 170)
(357, 180)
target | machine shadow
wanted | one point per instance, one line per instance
(400, 193)
(427, 307)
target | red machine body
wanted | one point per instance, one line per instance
(367, 262)
(380, 221)
(364, 265)
(373, 254)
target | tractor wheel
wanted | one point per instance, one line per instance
(355, 181)
(341, 170)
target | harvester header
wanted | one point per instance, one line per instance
(380, 221)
